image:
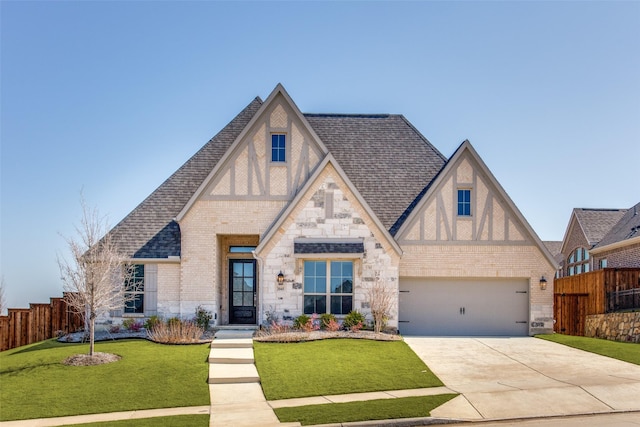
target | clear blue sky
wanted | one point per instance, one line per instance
(112, 97)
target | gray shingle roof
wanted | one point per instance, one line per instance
(555, 247)
(387, 159)
(627, 227)
(597, 222)
(149, 230)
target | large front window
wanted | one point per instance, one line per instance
(328, 287)
(134, 290)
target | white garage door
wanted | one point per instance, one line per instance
(464, 307)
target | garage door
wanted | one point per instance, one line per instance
(464, 307)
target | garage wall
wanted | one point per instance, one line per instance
(498, 261)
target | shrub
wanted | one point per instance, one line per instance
(126, 323)
(203, 317)
(325, 318)
(301, 321)
(152, 322)
(333, 325)
(354, 321)
(278, 328)
(114, 329)
(176, 331)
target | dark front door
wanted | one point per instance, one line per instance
(242, 291)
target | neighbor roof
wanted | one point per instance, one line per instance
(626, 228)
(385, 157)
(597, 222)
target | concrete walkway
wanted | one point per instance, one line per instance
(234, 384)
(513, 378)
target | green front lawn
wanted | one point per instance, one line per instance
(36, 384)
(177, 421)
(408, 407)
(628, 352)
(339, 366)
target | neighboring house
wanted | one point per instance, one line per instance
(620, 247)
(585, 230)
(555, 248)
(284, 213)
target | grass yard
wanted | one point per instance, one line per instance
(408, 407)
(36, 384)
(339, 366)
(628, 352)
(177, 421)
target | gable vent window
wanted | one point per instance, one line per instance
(278, 148)
(464, 202)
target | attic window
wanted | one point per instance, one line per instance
(278, 147)
(464, 202)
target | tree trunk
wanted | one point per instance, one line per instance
(92, 327)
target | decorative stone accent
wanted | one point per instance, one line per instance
(614, 326)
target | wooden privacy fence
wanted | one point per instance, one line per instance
(577, 296)
(39, 322)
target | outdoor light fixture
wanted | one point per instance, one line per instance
(543, 283)
(280, 278)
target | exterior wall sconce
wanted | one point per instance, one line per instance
(280, 278)
(543, 283)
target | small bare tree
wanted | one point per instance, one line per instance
(381, 299)
(96, 274)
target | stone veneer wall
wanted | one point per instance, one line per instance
(314, 220)
(614, 326)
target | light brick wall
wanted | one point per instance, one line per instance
(487, 261)
(168, 290)
(200, 276)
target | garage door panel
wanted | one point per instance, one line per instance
(463, 307)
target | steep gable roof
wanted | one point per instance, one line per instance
(463, 149)
(596, 223)
(628, 227)
(150, 231)
(328, 160)
(384, 156)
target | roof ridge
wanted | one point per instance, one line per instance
(354, 115)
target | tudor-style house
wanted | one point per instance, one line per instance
(287, 213)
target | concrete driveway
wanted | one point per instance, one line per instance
(502, 378)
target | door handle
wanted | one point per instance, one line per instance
(462, 310)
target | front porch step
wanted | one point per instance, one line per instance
(232, 343)
(225, 373)
(234, 333)
(231, 355)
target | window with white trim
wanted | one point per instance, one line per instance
(134, 290)
(328, 287)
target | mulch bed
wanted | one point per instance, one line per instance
(301, 336)
(86, 360)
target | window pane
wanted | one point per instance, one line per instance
(237, 269)
(237, 284)
(315, 278)
(586, 254)
(248, 299)
(248, 285)
(341, 276)
(571, 271)
(586, 268)
(248, 269)
(237, 299)
(341, 304)
(315, 304)
(241, 249)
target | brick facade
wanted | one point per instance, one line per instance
(628, 256)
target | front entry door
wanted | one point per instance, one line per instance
(242, 291)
